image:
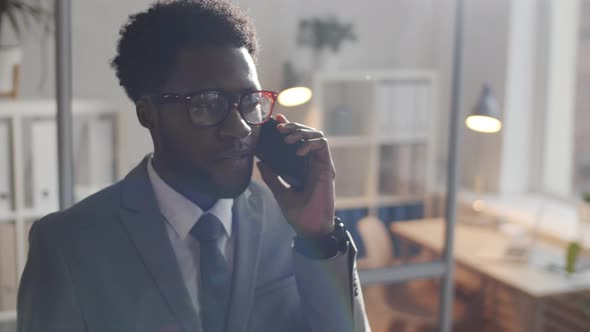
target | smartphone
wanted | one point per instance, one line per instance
(281, 157)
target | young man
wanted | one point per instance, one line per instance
(186, 242)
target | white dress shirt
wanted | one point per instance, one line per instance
(181, 215)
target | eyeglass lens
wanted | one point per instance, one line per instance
(209, 108)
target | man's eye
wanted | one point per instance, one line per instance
(210, 105)
(252, 99)
(210, 101)
(207, 104)
(205, 109)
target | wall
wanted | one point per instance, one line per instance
(558, 152)
(95, 29)
(517, 133)
(581, 155)
(392, 34)
(397, 33)
(485, 61)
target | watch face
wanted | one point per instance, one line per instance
(334, 244)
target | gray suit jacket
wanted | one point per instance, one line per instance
(106, 264)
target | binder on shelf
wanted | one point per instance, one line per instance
(383, 108)
(352, 164)
(387, 166)
(44, 165)
(101, 150)
(8, 267)
(81, 154)
(388, 95)
(403, 169)
(418, 180)
(6, 195)
(408, 109)
(422, 102)
(397, 106)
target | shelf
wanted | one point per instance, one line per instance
(48, 107)
(6, 217)
(363, 202)
(33, 214)
(403, 138)
(349, 141)
(374, 75)
(99, 149)
(352, 202)
(377, 123)
(7, 316)
(354, 171)
(399, 199)
(83, 191)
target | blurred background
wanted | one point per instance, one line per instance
(380, 74)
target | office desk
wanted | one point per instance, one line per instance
(529, 288)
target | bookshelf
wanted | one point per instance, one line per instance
(28, 173)
(381, 128)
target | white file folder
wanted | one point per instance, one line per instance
(101, 149)
(403, 176)
(422, 112)
(44, 168)
(382, 108)
(8, 267)
(6, 195)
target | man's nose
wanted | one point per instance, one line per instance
(234, 125)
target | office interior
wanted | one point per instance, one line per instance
(385, 79)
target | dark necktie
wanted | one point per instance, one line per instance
(215, 277)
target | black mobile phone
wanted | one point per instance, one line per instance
(281, 157)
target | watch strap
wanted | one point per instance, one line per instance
(326, 246)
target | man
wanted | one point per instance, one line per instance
(185, 242)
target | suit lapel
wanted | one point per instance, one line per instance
(141, 217)
(248, 212)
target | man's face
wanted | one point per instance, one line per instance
(213, 160)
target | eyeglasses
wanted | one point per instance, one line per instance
(208, 108)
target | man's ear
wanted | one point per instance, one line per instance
(145, 113)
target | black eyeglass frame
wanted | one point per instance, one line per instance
(234, 101)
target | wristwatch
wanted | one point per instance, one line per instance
(326, 246)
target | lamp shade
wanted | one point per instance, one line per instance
(294, 92)
(295, 96)
(485, 117)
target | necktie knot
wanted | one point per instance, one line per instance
(208, 228)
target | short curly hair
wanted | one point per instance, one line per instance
(151, 40)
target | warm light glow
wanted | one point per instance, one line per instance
(484, 124)
(294, 96)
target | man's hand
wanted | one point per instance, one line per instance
(311, 211)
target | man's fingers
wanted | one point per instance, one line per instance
(286, 127)
(272, 180)
(313, 145)
(303, 134)
(281, 118)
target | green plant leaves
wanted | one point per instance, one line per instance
(23, 14)
(573, 250)
(319, 33)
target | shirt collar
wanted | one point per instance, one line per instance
(181, 213)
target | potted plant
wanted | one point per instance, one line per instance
(325, 37)
(18, 16)
(571, 256)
